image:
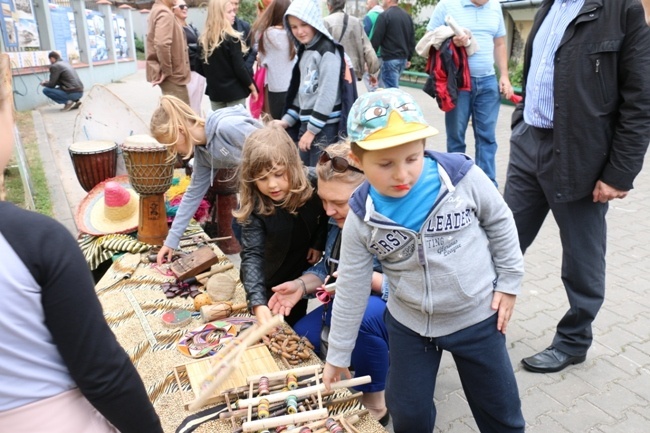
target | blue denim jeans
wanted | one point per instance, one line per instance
(370, 354)
(391, 71)
(483, 366)
(328, 135)
(61, 96)
(482, 103)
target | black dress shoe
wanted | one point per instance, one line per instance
(550, 361)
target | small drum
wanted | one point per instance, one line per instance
(93, 161)
(148, 163)
(151, 169)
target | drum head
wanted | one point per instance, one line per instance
(94, 146)
(142, 142)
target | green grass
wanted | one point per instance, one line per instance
(13, 182)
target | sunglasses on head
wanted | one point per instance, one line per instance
(339, 164)
(182, 7)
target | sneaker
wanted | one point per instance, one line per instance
(68, 106)
(76, 105)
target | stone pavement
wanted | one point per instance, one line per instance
(609, 393)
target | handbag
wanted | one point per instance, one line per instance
(259, 78)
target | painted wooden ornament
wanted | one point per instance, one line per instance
(201, 300)
(221, 287)
(176, 318)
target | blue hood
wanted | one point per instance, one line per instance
(456, 165)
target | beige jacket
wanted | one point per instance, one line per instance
(355, 42)
(166, 47)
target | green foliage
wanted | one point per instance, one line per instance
(247, 11)
(516, 73)
(418, 62)
(139, 47)
(14, 183)
(139, 44)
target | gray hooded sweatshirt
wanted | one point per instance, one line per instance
(443, 276)
(318, 98)
(226, 130)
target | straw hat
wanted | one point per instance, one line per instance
(112, 206)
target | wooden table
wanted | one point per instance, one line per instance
(133, 302)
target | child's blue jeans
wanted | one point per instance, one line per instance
(483, 365)
(328, 135)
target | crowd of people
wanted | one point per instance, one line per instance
(426, 254)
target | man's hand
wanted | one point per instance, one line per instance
(504, 303)
(305, 141)
(604, 193)
(461, 41)
(505, 87)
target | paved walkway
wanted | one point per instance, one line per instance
(609, 393)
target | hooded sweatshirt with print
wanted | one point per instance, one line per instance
(316, 76)
(226, 130)
(443, 276)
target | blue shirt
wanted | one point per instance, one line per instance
(411, 210)
(485, 22)
(538, 109)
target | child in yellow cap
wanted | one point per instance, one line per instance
(448, 246)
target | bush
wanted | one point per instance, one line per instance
(418, 63)
(139, 44)
(516, 73)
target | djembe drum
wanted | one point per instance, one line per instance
(93, 162)
(150, 167)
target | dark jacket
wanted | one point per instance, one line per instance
(192, 36)
(64, 76)
(265, 242)
(250, 56)
(394, 34)
(225, 73)
(448, 74)
(601, 118)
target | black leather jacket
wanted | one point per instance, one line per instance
(265, 242)
(601, 118)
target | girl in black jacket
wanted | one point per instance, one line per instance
(221, 58)
(283, 224)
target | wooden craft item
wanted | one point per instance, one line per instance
(296, 418)
(194, 263)
(228, 358)
(219, 310)
(221, 287)
(176, 318)
(255, 360)
(280, 396)
(202, 278)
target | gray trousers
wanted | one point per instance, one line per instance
(583, 232)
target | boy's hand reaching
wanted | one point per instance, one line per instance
(333, 374)
(504, 303)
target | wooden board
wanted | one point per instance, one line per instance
(105, 116)
(256, 360)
